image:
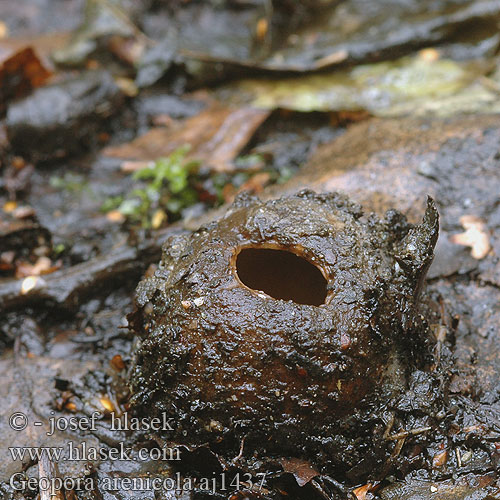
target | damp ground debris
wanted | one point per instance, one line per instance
(271, 174)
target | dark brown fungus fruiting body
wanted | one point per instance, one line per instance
(278, 321)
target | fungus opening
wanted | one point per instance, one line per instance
(282, 275)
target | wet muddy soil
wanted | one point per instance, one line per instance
(73, 352)
(392, 395)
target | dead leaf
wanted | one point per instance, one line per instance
(362, 492)
(302, 470)
(476, 236)
(440, 459)
(42, 266)
(216, 136)
(20, 72)
(416, 85)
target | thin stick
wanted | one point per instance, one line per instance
(405, 434)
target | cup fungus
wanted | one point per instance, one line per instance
(278, 321)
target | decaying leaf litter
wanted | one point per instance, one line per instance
(86, 229)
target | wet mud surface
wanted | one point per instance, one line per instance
(463, 324)
(398, 397)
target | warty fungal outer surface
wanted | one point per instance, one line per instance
(280, 320)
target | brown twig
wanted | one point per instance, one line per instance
(405, 434)
(68, 287)
(47, 472)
